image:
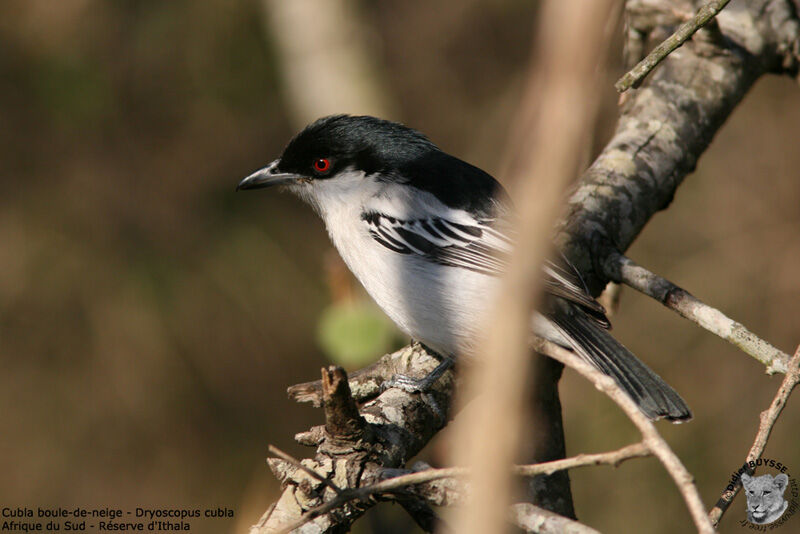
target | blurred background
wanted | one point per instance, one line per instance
(151, 319)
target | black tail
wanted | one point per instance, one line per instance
(589, 340)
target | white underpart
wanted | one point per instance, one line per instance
(444, 307)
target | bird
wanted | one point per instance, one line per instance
(429, 235)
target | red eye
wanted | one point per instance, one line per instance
(322, 165)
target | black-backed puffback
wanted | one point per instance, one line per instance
(429, 236)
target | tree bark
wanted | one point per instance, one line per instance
(666, 125)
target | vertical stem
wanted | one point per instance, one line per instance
(552, 492)
(556, 116)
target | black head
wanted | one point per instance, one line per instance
(386, 150)
(332, 144)
(364, 143)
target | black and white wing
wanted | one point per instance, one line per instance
(476, 246)
(482, 246)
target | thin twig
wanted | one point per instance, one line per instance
(767, 421)
(651, 438)
(535, 519)
(621, 268)
(682, 34)
(297, 463)
(613, 458)
(380, 487)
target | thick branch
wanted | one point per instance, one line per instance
(666, 125)
(357, 445)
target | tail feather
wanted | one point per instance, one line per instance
(650, 392)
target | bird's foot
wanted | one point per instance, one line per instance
(419, 385)
(423, 386)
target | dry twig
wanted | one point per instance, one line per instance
(534, 519)
(357, 445)
(704, 15)
(614, 458)
(619, 267)
(407, 481)
(651, 438)
(768, 419)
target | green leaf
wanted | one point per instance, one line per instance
(353, 334)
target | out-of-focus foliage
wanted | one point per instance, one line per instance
(151, 318)
(352, 333)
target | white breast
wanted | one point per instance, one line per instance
(440, 306)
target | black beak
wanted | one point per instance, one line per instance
(266, 177)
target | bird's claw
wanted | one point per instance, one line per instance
(409, 384)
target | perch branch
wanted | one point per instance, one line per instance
(358, 444)
(620, 268)
(364, 383)
(704, 15)
(297, 463)
(767, 422)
